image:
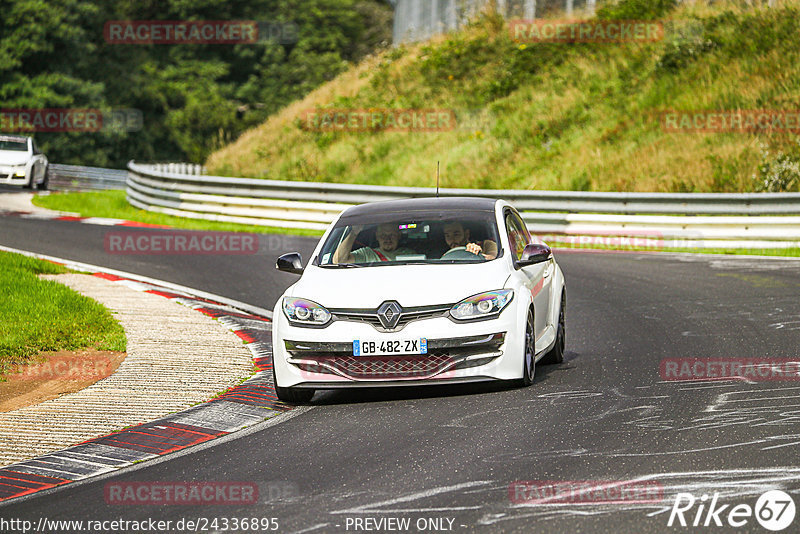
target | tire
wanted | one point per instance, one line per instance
(291, 395)
(556, 354)
(529, 353)
(46, 180)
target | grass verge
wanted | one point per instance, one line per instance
(560, 116)
(42, 315)
(113, 204)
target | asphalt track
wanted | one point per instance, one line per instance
(605, 414)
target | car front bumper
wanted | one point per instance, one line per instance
(8, 175)
(323, 358)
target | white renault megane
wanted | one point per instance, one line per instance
(419, 291)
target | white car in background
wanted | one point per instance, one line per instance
(22, 163)
(416, 292)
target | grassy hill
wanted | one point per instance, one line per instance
(569, 116)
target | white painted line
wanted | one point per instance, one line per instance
(103, 221)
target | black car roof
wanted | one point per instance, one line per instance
(423, 204)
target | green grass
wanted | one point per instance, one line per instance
(580, 116)
(113, 205)
(42, 315)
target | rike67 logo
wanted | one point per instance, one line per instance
(774, 510)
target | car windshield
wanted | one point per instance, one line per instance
(16, 145)
(443, 237)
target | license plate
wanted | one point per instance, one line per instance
(368, 347)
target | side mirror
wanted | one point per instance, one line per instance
(290, 263)
(533, 254)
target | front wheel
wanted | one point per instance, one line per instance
(291, 395)
(529, 356)
(45, 179)
(556, 354)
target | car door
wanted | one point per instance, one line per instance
(536, 278)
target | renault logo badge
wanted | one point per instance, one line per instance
(389, 314)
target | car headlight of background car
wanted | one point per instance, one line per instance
(482, 306)
(303, 312)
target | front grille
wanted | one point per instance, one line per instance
(378, 367)
(407, 315)
(444, 354)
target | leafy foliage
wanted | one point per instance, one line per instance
(194, 98)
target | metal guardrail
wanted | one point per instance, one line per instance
(79, 178)
(754, 220)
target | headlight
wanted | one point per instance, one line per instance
(302, 312)
(482, 305)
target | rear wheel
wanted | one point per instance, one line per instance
(529, 357)
(556, 354)
(291, 395)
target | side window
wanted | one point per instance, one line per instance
(35, 148)
(518, 235)
(523, 227)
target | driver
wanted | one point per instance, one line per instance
(388, 235)
(457, 236)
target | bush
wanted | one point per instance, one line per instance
(686, 43)
(780, 172)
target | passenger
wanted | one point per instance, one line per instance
(457, 236)
(388, 241)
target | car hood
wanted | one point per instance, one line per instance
(12, 157)
(410, 285)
